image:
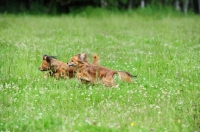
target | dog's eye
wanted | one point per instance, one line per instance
(72, 61)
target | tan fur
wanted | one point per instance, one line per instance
(96, 60)
(91, 73)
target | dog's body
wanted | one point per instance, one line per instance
(91, 73)
(59, 69)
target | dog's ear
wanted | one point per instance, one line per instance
(44, 56)
(82, 57)
(48, 59)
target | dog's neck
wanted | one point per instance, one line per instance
(82, 66)
(54, 64)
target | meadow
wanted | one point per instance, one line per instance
(163, 50)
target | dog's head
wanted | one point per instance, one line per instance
(46, 63)
(77, 59)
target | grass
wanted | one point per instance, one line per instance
(163, 51)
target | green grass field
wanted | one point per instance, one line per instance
(163, 50)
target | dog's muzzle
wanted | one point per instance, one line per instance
(41, 69)
(70, 64)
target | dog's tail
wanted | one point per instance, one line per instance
(96, 60)
(125, 76)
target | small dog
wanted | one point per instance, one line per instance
(59, 69)
(90, 73)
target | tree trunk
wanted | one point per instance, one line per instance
(177, 5)
(185, 6)
(199, 6)
(117, 3)
(103, 3)
(142, 3)
(130, 4)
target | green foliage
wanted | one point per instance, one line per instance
(94, 12)
(158, 11)
(163, 51)
(54, 7)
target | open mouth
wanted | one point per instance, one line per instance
(42, 69)
(70, 64)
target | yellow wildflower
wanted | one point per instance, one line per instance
(132, 123)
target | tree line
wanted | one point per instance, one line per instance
(67, 6)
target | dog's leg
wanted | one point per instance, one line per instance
(64, 74)
(108, 81)
(84, 77)
(48, 74)
(57, 75)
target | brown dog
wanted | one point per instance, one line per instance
(59, 69)
(91, 73)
